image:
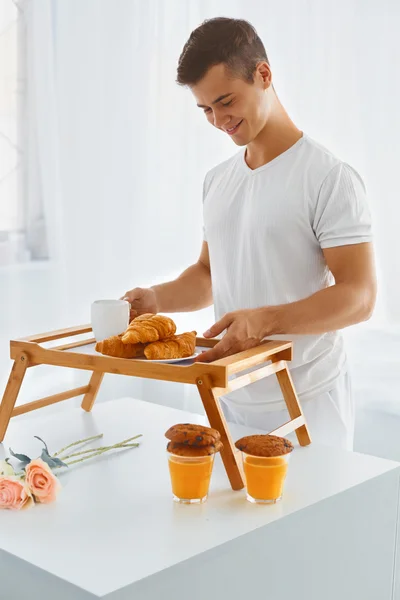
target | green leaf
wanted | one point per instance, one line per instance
(43, 442)
(53, 462)
(23, 458)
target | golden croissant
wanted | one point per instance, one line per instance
(178, 346)
(149, 328)
(113, 346)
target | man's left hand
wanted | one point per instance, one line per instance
(244, 329)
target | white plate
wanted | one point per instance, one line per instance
(172, 360)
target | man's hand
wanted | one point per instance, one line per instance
(245, 329)
(349, 301)
(142, 301)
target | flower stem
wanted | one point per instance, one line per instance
(117, 445)
(97, 451)
(78, 460)
(63, 458)
(84, 441)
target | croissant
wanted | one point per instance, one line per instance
(113, 346)
(149, 328)
(178, 346)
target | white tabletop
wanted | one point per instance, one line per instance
(115, 522)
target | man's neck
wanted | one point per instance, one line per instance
(279, 134)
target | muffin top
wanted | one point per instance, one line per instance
(264, 445)
(192, 435)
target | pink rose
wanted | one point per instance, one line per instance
(43, 484)
(14, 493)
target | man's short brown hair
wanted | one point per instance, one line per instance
(233, 42)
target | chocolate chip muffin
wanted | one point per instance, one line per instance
(193, 451)
(193, 435)
(264, 445)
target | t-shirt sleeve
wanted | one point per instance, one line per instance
(342, 214)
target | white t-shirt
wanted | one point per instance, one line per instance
(265, 230)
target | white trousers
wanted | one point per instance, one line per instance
(329, 416)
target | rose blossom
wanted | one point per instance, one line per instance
(43, 484)
(14, 493)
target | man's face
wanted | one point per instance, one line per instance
(236, 107)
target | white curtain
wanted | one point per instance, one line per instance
(121, 150)
(12, 85)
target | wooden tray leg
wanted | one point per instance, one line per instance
(11, 392)
(217, 420)
(293, 404)
(94, 386)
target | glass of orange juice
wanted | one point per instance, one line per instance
(265, 465)
(265, 477)
(190, 477)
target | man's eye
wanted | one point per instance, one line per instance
(207, 110)
(227, 103)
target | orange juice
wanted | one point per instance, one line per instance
(265, 477)
(190, 477)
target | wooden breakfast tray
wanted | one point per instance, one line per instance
(211, 379)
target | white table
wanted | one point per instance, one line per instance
(115, 533)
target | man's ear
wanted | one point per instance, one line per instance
(263, 73)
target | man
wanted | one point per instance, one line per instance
(287, 249)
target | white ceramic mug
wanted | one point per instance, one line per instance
(109, 317)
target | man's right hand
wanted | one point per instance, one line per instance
(142, 300)
(191, 291)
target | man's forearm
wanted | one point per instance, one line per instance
(331, 309)
(189, 292)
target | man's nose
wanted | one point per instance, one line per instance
(220, 120)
